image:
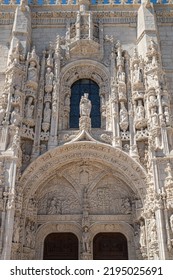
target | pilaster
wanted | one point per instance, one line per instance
(21, 29)
(159, 215)
(146, 28)
(10, 126)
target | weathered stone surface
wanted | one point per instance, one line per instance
(111, 177)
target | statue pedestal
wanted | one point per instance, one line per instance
(85, 123)
(86, 256)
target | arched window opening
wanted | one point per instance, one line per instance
(110, 246)
(77, 91)
(60, 246)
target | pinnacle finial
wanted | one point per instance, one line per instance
(23, 4)
(84, 5)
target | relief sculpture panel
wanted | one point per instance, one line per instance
(62, 201)
(110, 198)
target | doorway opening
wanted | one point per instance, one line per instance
(61, 246)
(110, 246)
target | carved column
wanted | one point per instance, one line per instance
(101, 40)
(78, 26)
(115, 118)
(90, 26)
(36, 145)
(14, 98)
(9, 216)
(159, 213)
(55, 97)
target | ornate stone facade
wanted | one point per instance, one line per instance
(115, 177)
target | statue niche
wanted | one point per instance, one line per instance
(86, 106)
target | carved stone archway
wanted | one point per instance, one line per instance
(115, 227)
(54, 165)
(110, 246)
(61, 246)
(48, 164)
(85, 69)
(48, 228)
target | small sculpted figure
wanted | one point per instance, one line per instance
(86, 240)
(15, 117)
(85, 106)
(29, 108)
(32, 72)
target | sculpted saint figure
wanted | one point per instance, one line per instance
(167, 116)
(47, 113)
(86, 240)
(85, 106)
(2, 114)
(154, 117)
(142, 239)
(49, 77)
(171, 222)
(16, 231)
(126, 206)
(67, 100)
(140, 111)
(15, 117)
(29, 108)
(29, 235)
(54, 207)
(168, 170)
(120, 75)
(152, 229)
(32, 72)
(123, 115)
(137, 75)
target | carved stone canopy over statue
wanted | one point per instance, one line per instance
(85, 106)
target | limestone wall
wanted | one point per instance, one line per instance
(166, 46)
(42, 36)
(5, 32)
